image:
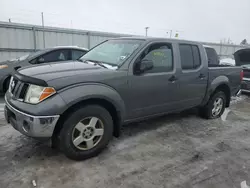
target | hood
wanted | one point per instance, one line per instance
(8, 62)
(60, 69)
(242, 58)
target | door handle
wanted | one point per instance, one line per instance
(202, 76)
(172, 79)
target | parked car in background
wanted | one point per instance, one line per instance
(49, 55)
(212, 56)
(242, 58)
(82, 104)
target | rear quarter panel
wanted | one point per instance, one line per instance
(224, 75)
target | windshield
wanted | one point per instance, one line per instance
(113, 52)
(30, 55)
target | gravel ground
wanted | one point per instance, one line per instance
(179, 150)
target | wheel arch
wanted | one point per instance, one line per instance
(220, 83)
(226, 90)
(115, 113)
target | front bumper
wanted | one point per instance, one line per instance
(29, 125)
(245, 85)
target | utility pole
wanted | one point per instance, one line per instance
(43, 30)
(146, 29)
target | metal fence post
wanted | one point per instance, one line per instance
(34, 37)
(88, 35)
(220, 47)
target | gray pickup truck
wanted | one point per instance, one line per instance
(80, 105)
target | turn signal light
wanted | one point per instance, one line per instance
(48, 91)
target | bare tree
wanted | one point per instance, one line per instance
(244, 42)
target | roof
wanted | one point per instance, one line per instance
(151, 39)
(69, 47)
(206, 46)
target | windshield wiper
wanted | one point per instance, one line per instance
(101, 64)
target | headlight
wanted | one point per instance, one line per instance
(36, 94)
(3, 66)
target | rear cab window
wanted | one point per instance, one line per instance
(190, 56)
(212, 56)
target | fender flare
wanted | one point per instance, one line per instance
(81, 92)
(217, 82)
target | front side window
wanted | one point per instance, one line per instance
(161, 56)
(113, 52)
(190, 56)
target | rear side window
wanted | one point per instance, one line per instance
(190, 56)
(196, 56)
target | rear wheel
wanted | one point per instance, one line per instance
(215, 106)
(86, 132)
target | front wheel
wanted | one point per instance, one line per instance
(215, 106)
(86, 132)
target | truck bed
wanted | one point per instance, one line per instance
(230, 73)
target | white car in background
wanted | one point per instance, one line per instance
(227, 61)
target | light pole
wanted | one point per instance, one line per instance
(146, 30)
(169, 33)
(43, 30)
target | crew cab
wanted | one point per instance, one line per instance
(80, 105)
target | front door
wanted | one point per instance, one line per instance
(153, 91)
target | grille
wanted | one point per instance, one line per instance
(18, 89)
(246, 73)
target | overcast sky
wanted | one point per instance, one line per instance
(201, 20)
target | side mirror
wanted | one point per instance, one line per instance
(145, 65)
(40, 60)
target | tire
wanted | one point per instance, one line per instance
(207, 111)
(69, 132)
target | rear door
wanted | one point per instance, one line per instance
(194, 75)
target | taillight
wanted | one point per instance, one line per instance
(241, 75)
